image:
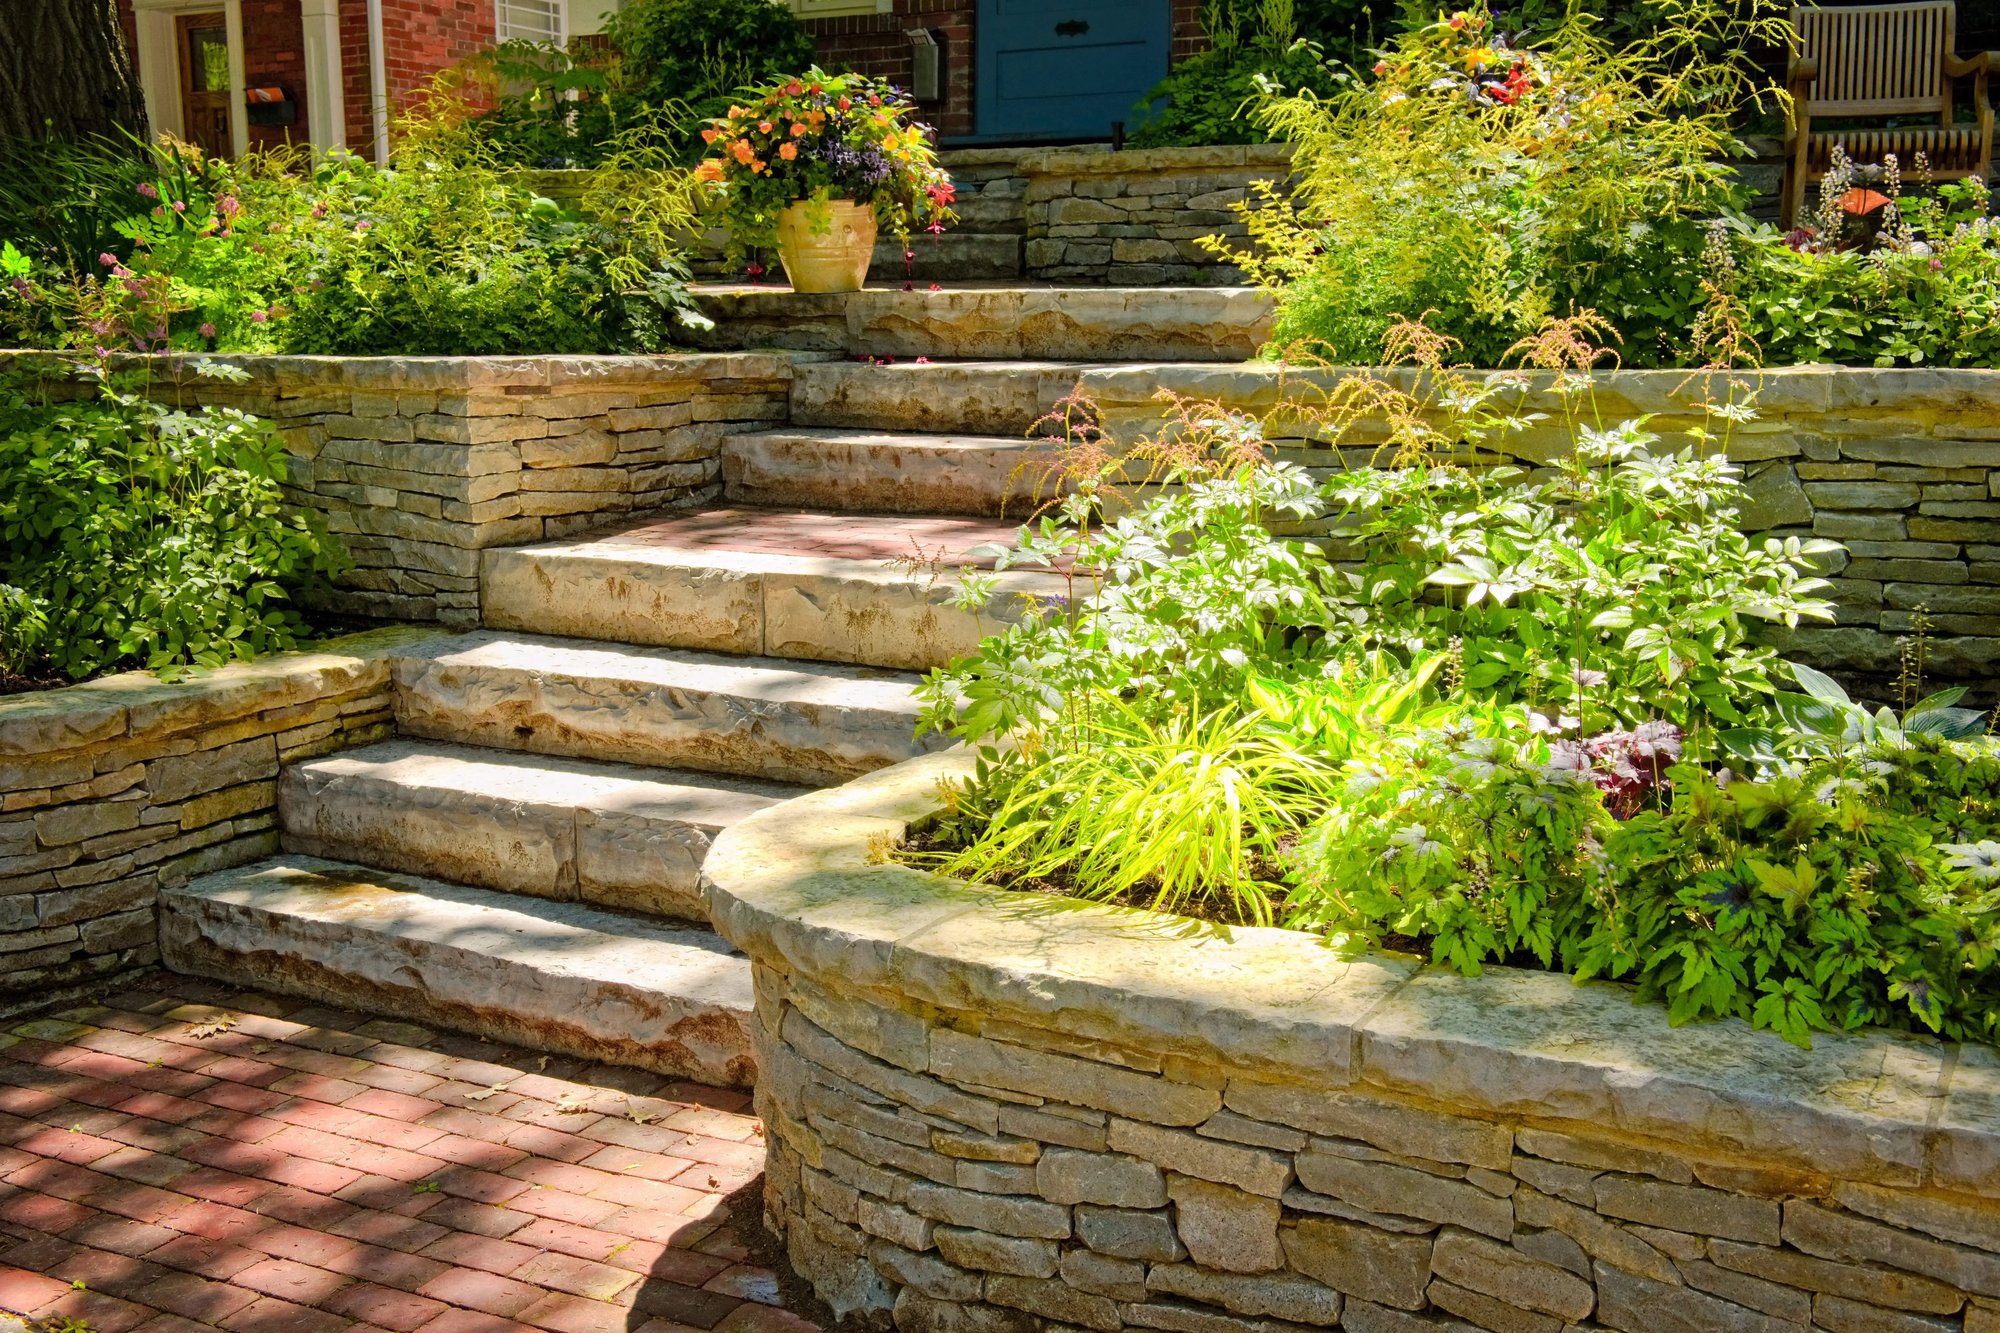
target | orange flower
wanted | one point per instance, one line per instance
(788, 151)
(709, 170)
(798, 128)
(708, 135)
(744, 152)
(756, 165)
(763, 127)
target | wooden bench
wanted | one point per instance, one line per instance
(1874, 62)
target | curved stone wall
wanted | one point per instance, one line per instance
(997, 1113)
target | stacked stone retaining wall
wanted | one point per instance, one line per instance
(111, 789)
(996, 1113)
(420, 463)
(1137, 218)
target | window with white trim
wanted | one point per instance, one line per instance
(531, 21)
(817, 9)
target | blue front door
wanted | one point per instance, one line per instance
(1065, 69)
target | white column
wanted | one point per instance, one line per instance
(239, 110)
(326, 85)
(160, 70)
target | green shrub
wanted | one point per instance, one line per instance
(1252, 47)
(693, 55)
(135, 534)
(62, 202)
(1925, 291)
(1496, 184)
(552, 107)
(442, 253)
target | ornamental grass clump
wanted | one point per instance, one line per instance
(1489, 713)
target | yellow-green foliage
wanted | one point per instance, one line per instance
(1500, 180)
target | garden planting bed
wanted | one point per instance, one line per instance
(991, 1111)
(1900, 466)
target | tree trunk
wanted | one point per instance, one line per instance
(65, 70)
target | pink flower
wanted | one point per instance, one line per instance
(206, 330)
(108, 259)
(180, 206)
(149, 190)
(258, 316)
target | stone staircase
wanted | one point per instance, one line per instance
(522, 860)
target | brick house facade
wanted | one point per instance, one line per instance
(336, 70)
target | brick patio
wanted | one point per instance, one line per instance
(188, 1156)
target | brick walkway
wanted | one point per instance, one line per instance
(185, 1156)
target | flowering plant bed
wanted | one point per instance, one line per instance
(1501, 716)
(817, 138)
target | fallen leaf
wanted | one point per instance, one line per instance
(211, 1027)
(485, 1093)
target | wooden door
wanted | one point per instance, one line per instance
(1065, 69)
(204, 56)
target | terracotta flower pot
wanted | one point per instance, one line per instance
(831, 260)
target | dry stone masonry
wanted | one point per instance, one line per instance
(1138, 217)
(420, 463)
(112, 789)
(991, 1114)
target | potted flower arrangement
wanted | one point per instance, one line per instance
(813, 164)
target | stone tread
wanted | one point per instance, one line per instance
(558, 976)
(1071, 323)
(786, 721)
(873, 590)
(614, 834)
(896, 472)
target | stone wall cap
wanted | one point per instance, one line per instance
(803, 886)
(139, 702)
(1099, 160)
(1778, 391)
(417, 374)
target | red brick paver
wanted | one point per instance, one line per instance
(186, 1156)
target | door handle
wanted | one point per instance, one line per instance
(1073, 28)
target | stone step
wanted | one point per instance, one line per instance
(810, 723)
(569, 829)
(947, 398)
(551, 976)
(888, 473)
(870, 589)
(994, 321)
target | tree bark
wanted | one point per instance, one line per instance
(66, 71)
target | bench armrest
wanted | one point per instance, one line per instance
(1958, 67)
